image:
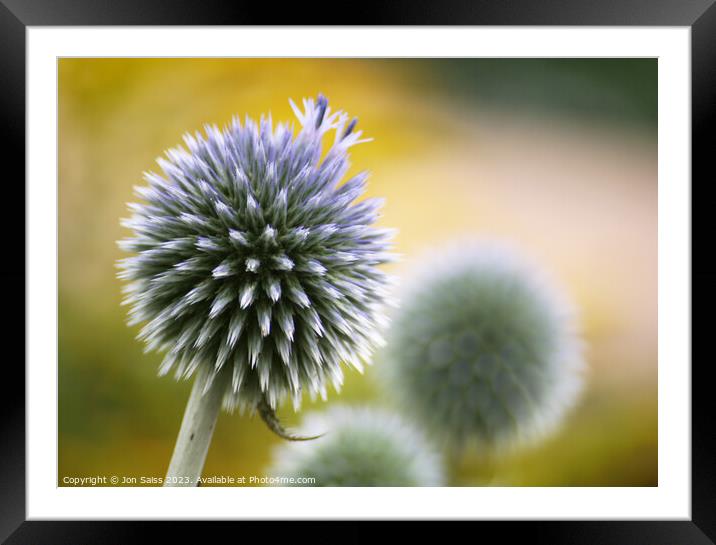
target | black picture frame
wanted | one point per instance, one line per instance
(17, 15)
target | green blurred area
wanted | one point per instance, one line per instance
(557, 155)
(620, 91)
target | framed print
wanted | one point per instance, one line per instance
(435, 265)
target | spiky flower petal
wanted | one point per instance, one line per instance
(360, 447)
(483, 348)
(251, 254)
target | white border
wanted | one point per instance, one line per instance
(671, 499)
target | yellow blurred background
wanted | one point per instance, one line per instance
(555, 156)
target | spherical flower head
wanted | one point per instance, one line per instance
(251, 257)
(360, 447)
(483, 349)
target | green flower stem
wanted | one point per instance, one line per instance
(195, 433)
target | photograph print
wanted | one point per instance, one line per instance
(357, 272)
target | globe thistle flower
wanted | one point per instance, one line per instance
(361, 447)
(253, 262)
(484, 348)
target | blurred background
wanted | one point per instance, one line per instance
(557, 156)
